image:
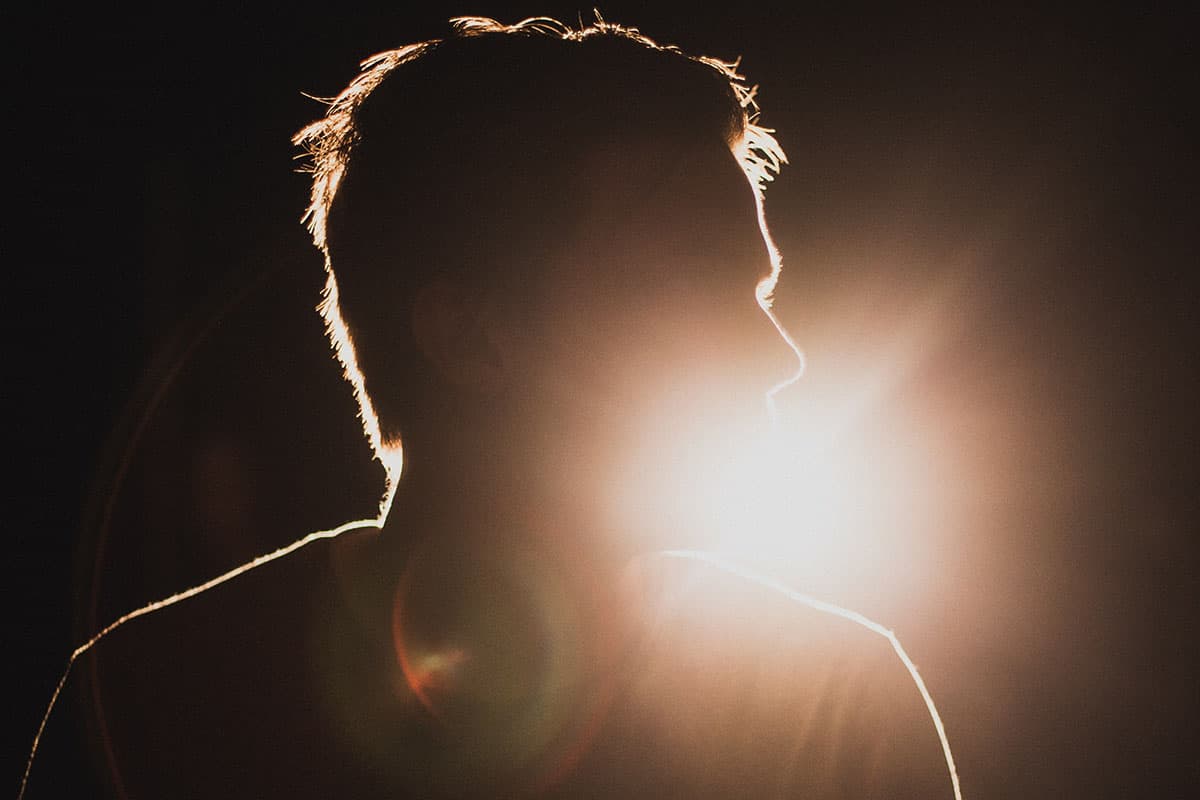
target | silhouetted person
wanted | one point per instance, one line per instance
(545, 259)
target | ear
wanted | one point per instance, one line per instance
(455, 329)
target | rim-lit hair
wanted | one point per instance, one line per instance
(328, 145)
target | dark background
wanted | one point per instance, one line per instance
(1045, 162)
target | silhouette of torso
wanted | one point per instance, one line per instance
(273, 686)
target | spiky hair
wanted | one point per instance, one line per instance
(328, 144)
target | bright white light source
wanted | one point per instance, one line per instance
(830, 495)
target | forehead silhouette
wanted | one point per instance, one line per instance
(488, 145)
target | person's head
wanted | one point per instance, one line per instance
(552, 228)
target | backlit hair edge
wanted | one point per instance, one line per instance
(328, 143)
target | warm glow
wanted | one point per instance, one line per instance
(813, 492)
(800, 598)
(430, 671)
(826, 485)
(809, 494)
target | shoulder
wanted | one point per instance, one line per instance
(213, 688)
(809, 693)
(696, 596)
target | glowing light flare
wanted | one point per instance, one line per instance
(818, 497)
(743, 489)
(512, 652)
(431, 671)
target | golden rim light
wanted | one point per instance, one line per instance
(328, 142)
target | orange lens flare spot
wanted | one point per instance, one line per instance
(429, 673)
